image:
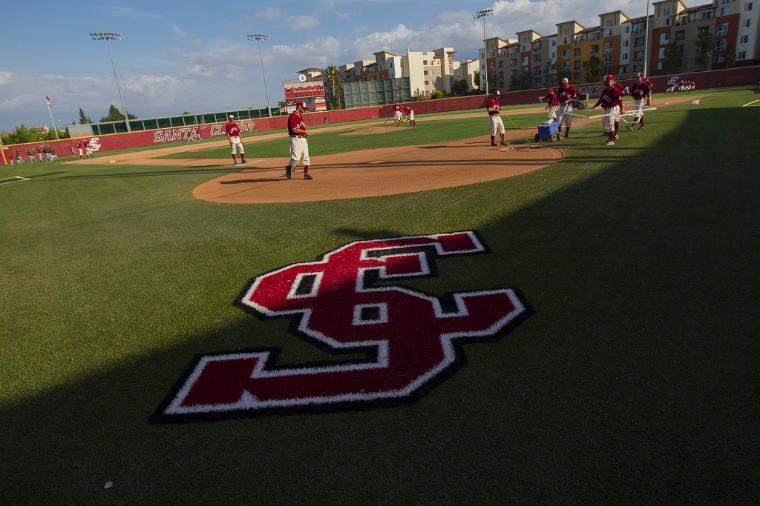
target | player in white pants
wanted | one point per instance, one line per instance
(493, 106)
(299, 146)
(232, 130)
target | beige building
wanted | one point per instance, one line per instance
(466, 71)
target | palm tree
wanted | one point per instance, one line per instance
(333, 75)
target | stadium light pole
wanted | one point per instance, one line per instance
(646, 41)
(258, 37)
(108, 37)
(482, 14)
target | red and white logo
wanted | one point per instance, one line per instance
(344, 302)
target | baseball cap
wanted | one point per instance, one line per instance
(609, 77)
(301, 104)
(497, 92)
(232, 116)
(565, 80)
(639, 75)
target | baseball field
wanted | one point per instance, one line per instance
(627, 369)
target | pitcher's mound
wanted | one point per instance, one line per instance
(376, 172)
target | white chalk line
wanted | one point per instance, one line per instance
(750, 104)
(15, 179)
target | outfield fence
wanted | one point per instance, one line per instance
(740, 76)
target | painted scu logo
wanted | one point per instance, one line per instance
(408, 336)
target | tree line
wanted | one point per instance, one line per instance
(22, 133)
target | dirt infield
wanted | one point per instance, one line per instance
(364, 173)
(377, 172)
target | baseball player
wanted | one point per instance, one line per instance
(640, 91)
(565, 96)
(552, 105)
(88, 149)
(611, 101)
(397, 113)
(232, 130)
(408, 111)
(80, 149)
(299, 146)
(497, 125)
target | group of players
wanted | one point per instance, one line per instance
(561, 101)
(401, 111)
(681, 86)
(299, 146)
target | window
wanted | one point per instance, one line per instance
(637, 68)
(525, 61)
(554, 42)
(679, 35)
(723, 30)
(501, 64)
(661, 53)
(638, 42)
(577, 51)
(748, 6)
(706, 15)
(744, 39)
(607, 61)
(625, 43)
(427, 83)
(577, 65)
(627, 29)
(722, 11)
(666, 11)
(610, 22)
(537, 58)
(424, 62)
(721, 45)
(741, 55)
(638, 55)
(565, 53)
(746, 23)
(426, 72)
(625, 57)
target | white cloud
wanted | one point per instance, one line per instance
(178, 32)
(270, 13)
(302, 22)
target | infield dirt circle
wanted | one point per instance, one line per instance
(377, 172)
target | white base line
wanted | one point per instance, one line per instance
(748, 104)
(16, 179)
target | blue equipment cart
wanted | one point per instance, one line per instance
(548, 133)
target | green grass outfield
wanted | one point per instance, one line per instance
(636, 379)
(326, 143)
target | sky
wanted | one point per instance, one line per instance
(189, 55)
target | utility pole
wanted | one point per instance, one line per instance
(646, 42)
(108, 37)
(258, 37)
(482, 14)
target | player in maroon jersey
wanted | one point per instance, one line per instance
(493, 105)
(552, 104)
(565, 95)
(640, 91)
(299, 146)
(232, 130)
(611, 101)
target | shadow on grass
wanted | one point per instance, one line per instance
(636, 380)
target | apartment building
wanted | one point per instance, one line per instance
(566, 54)
(748, 46)
(543, 61)
(632, 47)
(466, 71)
(487, 56)
(506, 66)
